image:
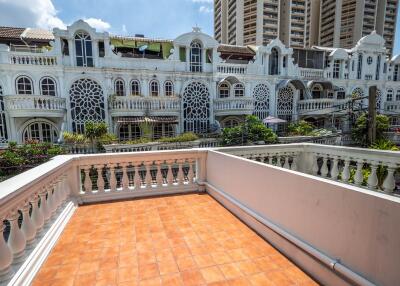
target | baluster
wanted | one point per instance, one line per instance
(315, 167)
(286, 164)
(358, 177)
(159, 176)
(6, 256)
(389, 182)
(180, 177)
(100, 179)
(148, 179)
(270, 158)
(335, 168)
(44, 206)
(170, 175)
(278, 160)
(294, 162)
(372, 181)
(324, 168)
(37, 214)
(113, 179)
(125, 179)
(136, 179)
(346, 170)
(16, 240)
(190, 172)
(50, 200)
(88, 181)
(28, 227)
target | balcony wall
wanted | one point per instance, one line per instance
(339, 233)
(233, 106)
(35, 106)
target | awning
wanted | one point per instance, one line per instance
(148, 119)
(324, 84)
(298, 84)
(273, 120)
(231, 79)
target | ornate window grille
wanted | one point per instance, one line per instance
(261, 96)
(87, 103)
(24, 85)
(196, 108)
(285, 103)
(48, 86)
(119, 87)
(83, 50)
(135, 87)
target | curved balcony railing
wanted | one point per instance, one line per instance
(233, 105)
(232, 68)
(32, 59)
(142, 104)
(311, 73)
(315, 105)
(34, 103)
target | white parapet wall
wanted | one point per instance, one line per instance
(353, 229)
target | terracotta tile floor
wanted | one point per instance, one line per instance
(177, 240)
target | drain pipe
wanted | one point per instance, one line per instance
(333, 264)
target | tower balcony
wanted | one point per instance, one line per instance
(230, 216)
(139, 106)
(233, 106)
(28, 105)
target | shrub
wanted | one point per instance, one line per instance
(251, 131)
(359, 132)
(301, 128)
(95, 130)
(141, 140)
(73, 138)
(185, 137)
(384, 144)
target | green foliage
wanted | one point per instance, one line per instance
(108, 138)
(185, 137)
(17, 159)
(251, 131)
(141, 140)
(73, 138)
(359, 132)
(384, 144)
(301, 128)
(95, 130)
(147, 129)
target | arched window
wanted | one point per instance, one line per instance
(341, 94)
(274, 62)
(378, 67)
(230, 122)
(398, 95)
(41, 132)
(239, 90)
(389, 95)
(261, 95)
(154, 88)
(285, 103)
(135, 87)
(87, 103)
(223, 90)
(3, 127)
(48, 86)
(83, 50)
(129, 131)
(359, 66)
(317, 91)
(24, 85)
(169, 88)
(119, 87)
(195, 57)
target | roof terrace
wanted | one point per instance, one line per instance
(204, 217)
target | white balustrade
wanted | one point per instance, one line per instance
(234, 104)
(311, 73)
(232, 68)
(34, 102)
(138, 103)
(32, 59)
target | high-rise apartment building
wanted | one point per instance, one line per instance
(304, 23)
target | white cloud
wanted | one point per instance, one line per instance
(205, 9)
(98, 24)
(32, 13)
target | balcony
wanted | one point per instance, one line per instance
(226, 68)
(36, 59)
(307, 201)
(322, 106)
(35, 106)
(138, 106)
(233, 106)
(392, 107)
(311, 73)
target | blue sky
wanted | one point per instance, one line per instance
(153, 18)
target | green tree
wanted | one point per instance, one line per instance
(359, 131)
(301, 128)
(250, 131)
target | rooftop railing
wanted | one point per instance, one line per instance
(283, 189)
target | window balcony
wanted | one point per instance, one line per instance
(31, 58)
(138, 106)
(28, 105)
(311, 73)
(227, 68)
(319, 206)
(233, 106)
(322, 106)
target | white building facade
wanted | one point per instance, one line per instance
(183, 85)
